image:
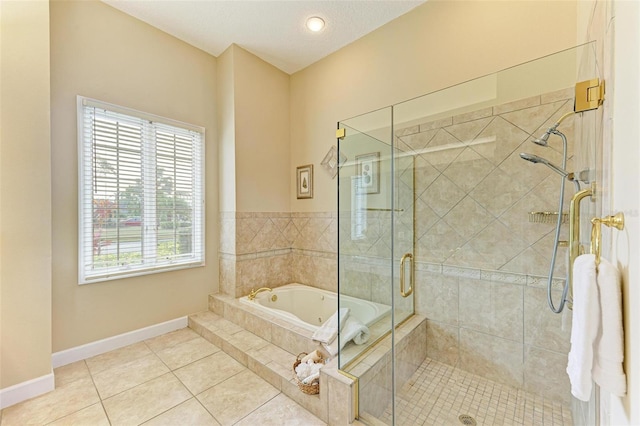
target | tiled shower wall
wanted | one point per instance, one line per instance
(480, 278)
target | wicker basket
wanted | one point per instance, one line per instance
(312, 388)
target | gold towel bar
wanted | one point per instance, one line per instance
(574, 235)
(615, 221)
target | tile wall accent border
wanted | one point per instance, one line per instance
(276, 248)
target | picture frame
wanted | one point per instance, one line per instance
(368, 169)
(304, 181)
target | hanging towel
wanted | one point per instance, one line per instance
(353, 330)
(585, 324)
(609, 344)
(597, 339)
(329, 330)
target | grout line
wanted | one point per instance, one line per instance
(260, 406)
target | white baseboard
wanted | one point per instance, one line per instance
(26, 390)
(40, 385)
(98, 347)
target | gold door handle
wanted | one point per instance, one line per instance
(412, 275)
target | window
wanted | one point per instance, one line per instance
(141, 193)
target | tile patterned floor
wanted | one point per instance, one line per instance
(438, 393)
(175, 379)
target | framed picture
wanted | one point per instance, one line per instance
(304, 180)
(368, 169)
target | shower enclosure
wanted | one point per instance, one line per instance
(442, 221)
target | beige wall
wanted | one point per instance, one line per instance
(99, 52)
(253, 97)
(25, 193)
(438, 44)
(226, 130)
(262, 134)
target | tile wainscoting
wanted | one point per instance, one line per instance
(270, 249)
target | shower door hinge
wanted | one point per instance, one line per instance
(589, 95)
(341, 133)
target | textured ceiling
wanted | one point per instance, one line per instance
(273, 30)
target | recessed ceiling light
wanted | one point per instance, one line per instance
(315, 24)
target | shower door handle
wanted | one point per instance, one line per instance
(412, 275)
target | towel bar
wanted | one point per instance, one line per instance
(615, 221)
(574, 235)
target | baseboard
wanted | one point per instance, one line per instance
(98, 347)
(26, 390)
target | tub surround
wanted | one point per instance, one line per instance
(276, 248)
(268, 346)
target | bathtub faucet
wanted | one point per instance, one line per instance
(254, 293)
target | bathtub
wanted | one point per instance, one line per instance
(309, 307)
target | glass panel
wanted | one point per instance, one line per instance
(365, 249)
(481, 224)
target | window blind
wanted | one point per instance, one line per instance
(141, 202)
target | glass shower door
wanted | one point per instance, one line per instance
(375, 260)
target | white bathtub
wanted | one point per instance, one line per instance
(309, 307)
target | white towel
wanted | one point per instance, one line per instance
(329, 330)
(353, 330)
(304, 370)
(597, 339)
(609, 344)
(586, 315)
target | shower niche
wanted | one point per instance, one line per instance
(437, 219)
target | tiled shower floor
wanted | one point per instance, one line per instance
(437, 394)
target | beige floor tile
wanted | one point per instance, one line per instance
(187, 352)
(107, 360)
(93, 415)
(71, 372)
(171, 339)
(65, 400)
(128, 375)
(233, 399)
(201, 375)
(280, 411)
(190, 413)
(146, 401)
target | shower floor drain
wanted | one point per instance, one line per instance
(467, 420)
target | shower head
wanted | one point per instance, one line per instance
(535, 159)
(544, 139)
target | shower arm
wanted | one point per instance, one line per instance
(561, 119)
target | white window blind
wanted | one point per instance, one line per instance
(141, 193)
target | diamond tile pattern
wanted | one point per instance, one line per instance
(276, 248)
(474, 192)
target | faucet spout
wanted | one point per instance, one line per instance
(254, 293)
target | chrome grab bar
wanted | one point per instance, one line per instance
(412, 275)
